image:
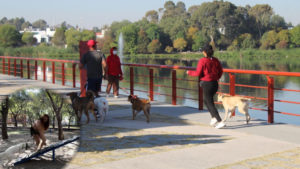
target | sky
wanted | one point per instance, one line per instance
(89, 13)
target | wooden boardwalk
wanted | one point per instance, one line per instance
(177, 137)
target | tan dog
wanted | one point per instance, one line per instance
(231, 102)
(139, 105)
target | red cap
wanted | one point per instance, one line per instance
(91, 43)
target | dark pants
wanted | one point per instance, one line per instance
(94, 84)
(209, 90)
(113, 81)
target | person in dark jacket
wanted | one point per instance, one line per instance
(94, 61)
(210, 70)
(114, 72)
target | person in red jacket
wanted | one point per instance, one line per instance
(114, 72)
(210, 70)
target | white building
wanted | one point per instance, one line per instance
(41, 35)
(100, 35)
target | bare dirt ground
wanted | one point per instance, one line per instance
(62, 155)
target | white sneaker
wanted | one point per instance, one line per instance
(116, 96)
(220, 125)
(213, 121)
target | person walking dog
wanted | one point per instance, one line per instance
(210, 70)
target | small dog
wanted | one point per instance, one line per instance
(10, 153)
(231, 102)
(85, 104)
(102, 107)
(139, 105)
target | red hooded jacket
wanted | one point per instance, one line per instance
(113, 64)
(209, 69)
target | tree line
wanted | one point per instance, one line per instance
(65, 34)
(224, 25)
(173, 28)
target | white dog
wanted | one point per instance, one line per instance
(231, 102)
(102, 107)
(10, 153)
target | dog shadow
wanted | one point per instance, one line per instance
(253, 123)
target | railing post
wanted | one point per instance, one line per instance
(74, 74)
(131, 81)
(28, 69)
(270, 99)
(53, 72)
(36, 70)
(44, 71)
(15, 67)
(174, 95)
(151, 84)
(21, 67)
(232, 87)
(63, 74)
(3, 65)
(8, 66)
(200, 96)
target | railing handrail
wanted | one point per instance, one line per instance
(11, 67)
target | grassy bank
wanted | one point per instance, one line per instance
(271, 56)
(40, 52)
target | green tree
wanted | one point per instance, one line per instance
(199, 41)
(295, 35)
(41, 24)
(73, 37)
(25, 25)
(59, 38)
(18, 102)
(154, 46)
(278, 22)
(152, 16)
(153, 32)
(116, 26)
(269, 40)
(179, 44)
(247, 41)
(28, 38)
(87, 35)
(262, 15)
(57, 104)
(142, 42)
(130, 34)
(191, 36)
(9, 36)
(169, 49)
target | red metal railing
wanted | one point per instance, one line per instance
(59, 68)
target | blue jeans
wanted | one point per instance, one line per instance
(94, 84)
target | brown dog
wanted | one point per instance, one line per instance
(38, 129)
(85, 104)
(139, 105)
